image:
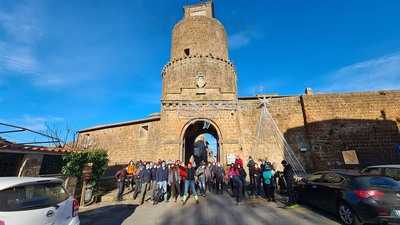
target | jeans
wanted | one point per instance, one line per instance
(175, 190)
(238, 187)
(219, 185)
(163, 185)
(121, 187)
(192, 187)
(137, 189)
(290, 192)
(202, 184)
(145, 188)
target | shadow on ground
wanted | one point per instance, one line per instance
(223, 210)
(107, 215)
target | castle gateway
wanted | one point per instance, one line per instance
(199, 95)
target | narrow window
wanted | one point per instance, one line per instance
(143, 131)
(187, 51)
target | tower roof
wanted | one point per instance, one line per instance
(200, 9)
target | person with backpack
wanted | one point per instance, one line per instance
(162, 179)
(190, 183)
(269, 183)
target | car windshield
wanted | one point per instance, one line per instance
(32, 196)
(376, 181)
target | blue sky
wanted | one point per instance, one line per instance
(85, 63)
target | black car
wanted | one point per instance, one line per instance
(354, 197)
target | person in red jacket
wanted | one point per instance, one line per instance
(239, 161)
(182, 176)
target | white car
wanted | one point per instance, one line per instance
(36, 201)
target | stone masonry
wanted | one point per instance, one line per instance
(199, 95)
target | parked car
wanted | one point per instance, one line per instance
(392, 171)
(354, 197)
(36, 201)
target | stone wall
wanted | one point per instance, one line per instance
(179, 79)
(287, 112)
(366, 122)
(137, 141)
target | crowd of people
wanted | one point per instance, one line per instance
(172, 181)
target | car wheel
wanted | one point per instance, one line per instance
(347, 215)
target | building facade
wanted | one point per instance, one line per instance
(199, 95)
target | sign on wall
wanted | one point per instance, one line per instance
(350, 157)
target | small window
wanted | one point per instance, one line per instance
(187, 51)
(143, 130)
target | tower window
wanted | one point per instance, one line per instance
(187, 51)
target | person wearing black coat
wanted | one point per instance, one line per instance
(288, 174)
(242, 174)
(251, 166)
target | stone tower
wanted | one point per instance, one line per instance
(199, 84)
(199, 67)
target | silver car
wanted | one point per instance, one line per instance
(392, 171)
(35, 200)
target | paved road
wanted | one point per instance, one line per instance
(214, 209)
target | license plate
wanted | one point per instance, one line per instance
(395, 213)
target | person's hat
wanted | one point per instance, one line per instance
(283, 162)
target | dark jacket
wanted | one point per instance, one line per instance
(251, 165)
(153, 173)
(190, 173)
(162, 174)
(219, 172)
(145, 175)
(173, 176)
(288, 173)
(121, 174)
(242, 173)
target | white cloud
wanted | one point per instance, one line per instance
(38, 123)
(381, 73)
(23, 32)
(242, 39)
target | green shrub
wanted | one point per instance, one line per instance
(74, 162)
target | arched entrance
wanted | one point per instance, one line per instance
(196, 141)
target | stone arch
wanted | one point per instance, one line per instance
(191, 130)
